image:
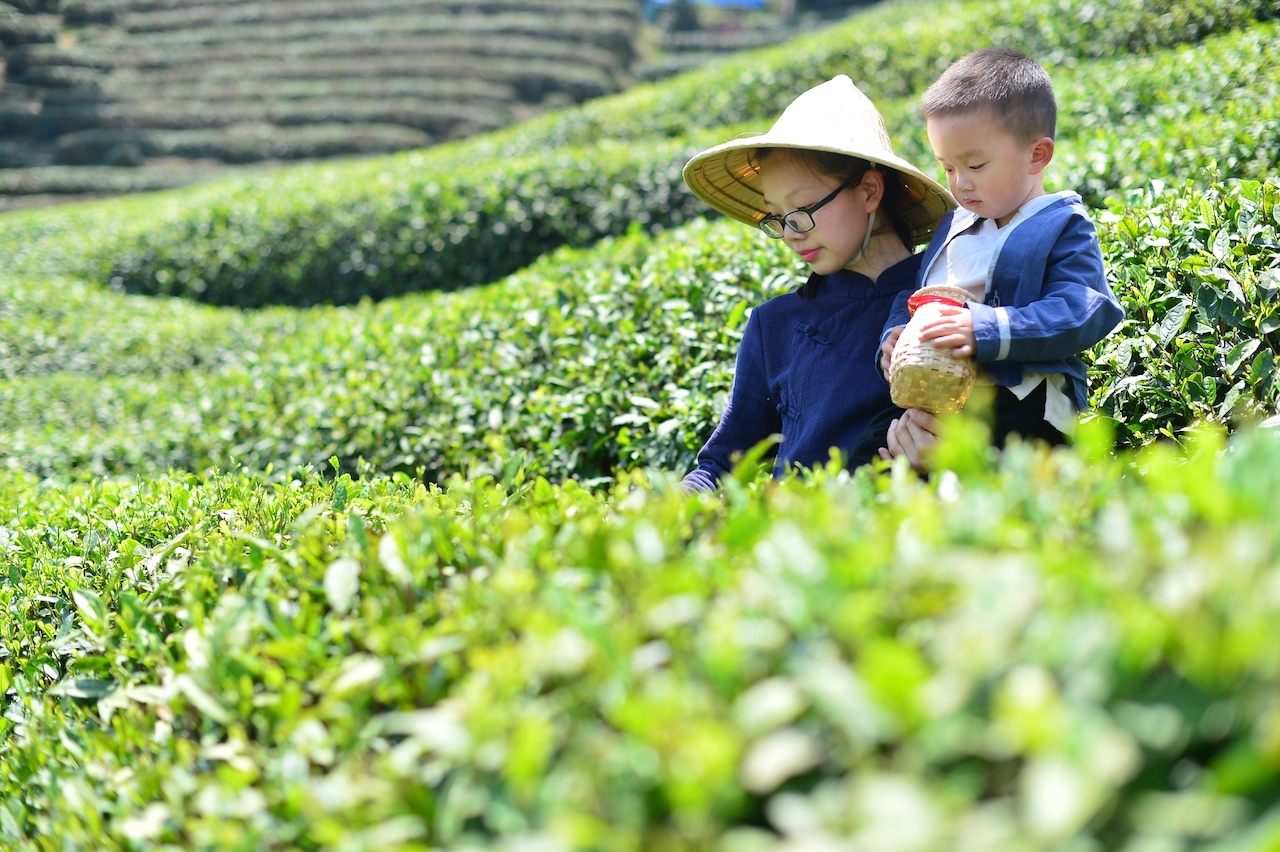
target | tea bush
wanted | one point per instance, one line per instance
(1198, 273)
(337, 233)
(589, 360)
(443, 219)
(548, 360)
(1051, 651)
(338, 237)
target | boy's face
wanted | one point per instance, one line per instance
(989, 172)
(838, 226)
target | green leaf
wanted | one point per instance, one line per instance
(1240, 353)
(341, 583)
(1173, 321)
(1222, 244)
(83, 687)
(91, 610)
(202, 700)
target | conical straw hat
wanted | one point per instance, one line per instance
(833, 116)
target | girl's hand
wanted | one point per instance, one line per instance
(912, 435)
(953, 330)
(886, 348)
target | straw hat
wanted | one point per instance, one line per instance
(833, 116)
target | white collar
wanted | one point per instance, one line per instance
(966, 219)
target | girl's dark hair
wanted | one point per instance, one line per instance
(841, 167)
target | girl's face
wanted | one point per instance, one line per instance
(838, 226)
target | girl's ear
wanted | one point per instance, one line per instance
(873, 185)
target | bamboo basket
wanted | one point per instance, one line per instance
(922, 375)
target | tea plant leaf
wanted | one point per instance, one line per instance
(341, 583)
(201, 699)
(80, 687)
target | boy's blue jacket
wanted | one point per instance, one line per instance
(1047, 295)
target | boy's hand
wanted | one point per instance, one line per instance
(886, 349)
(953, 331)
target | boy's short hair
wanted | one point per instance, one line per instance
(1014, 86)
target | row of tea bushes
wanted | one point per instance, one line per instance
(310, 63)
(239, 144)
(79, 12)
(106, 180)
(547, 360)
(422, 222)
(443, 219)
(894, 50)
(1214, 108)
(590, 360)
(43, 323)
(1067, 651)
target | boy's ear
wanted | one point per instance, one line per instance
(1041, 154)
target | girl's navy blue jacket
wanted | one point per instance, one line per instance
(806, 370)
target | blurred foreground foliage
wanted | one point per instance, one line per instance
(1027, 652)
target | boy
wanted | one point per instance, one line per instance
(1031, 260)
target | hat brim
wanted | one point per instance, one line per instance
(724, 178)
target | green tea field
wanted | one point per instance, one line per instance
(340, 505)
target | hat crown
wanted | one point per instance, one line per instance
(834, 115)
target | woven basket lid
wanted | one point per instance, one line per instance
(946, 291)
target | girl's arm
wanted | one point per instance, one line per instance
(752, 414)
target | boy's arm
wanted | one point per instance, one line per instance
(899, 316)
(1076, 308)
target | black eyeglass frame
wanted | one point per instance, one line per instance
(783, 222)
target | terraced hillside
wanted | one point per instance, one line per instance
(105, 96)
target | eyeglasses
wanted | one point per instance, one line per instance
(800, 220)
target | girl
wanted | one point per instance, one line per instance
(826, 181)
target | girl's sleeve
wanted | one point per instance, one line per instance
(752, 414)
